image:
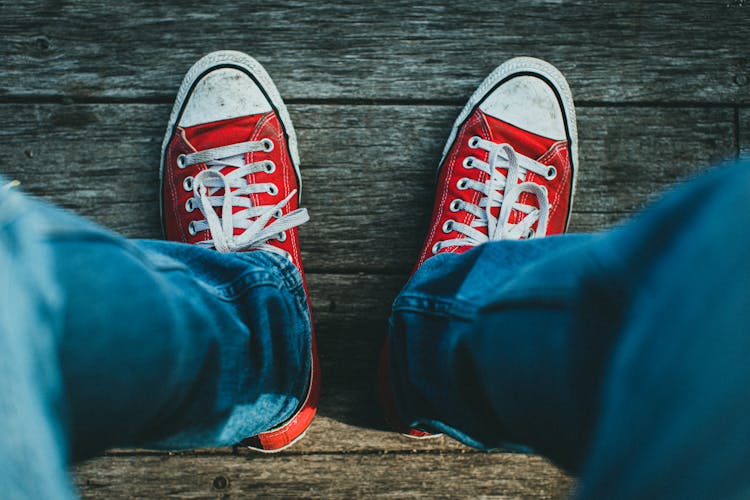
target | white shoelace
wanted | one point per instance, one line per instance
(513, 185)
(235, 188)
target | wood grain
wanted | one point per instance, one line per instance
(85, 91)
(394, 475)
(611, 50)
(330, 434)
(368, 171)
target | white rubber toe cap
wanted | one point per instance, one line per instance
(529, 103)
(222, 94)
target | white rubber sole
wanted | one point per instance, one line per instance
(532, 66)
(422, 438)
(240, 60)
(277, 450)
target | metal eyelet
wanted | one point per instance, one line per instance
(267, 145)
(191, 229)
(551, 173)
(530, 234)
(278, 213)
(455, 205)
(273, 190)
(187, 184)
(436, 247)
(181, 161)
(462, 183)
(270, 167)
(468, 162)
(474, 142)
(448, 226)
(189, 205)
(281, 237)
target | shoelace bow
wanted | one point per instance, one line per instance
(227, 173)
(503, 191)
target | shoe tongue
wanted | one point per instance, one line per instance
(222, 133)
(523, 142)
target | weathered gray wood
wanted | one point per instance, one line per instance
(744, 132)
(364, 168)
(454, 475)
(368, 171)
(611, 50)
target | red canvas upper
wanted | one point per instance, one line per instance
(544, 150)
(177, 218)
(222, 133)
(541, 149)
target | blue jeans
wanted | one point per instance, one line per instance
(106, 341)
(622, 356)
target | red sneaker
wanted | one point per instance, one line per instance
(507, 172)
(230, 147)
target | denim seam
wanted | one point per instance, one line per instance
(285, 275)
(435, 305)
(242, 285)
(254, 278)
(292, 281)
(290, 276)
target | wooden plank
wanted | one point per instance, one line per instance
(611, 50)
(322, 476)
(744, 133)
(330, 435)
(368, 171)
(331, 432)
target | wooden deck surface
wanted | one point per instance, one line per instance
(662, 92)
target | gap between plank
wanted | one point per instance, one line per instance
(168, 99)
(118, 453)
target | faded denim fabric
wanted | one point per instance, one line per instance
(623, 356)
(106, 341)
